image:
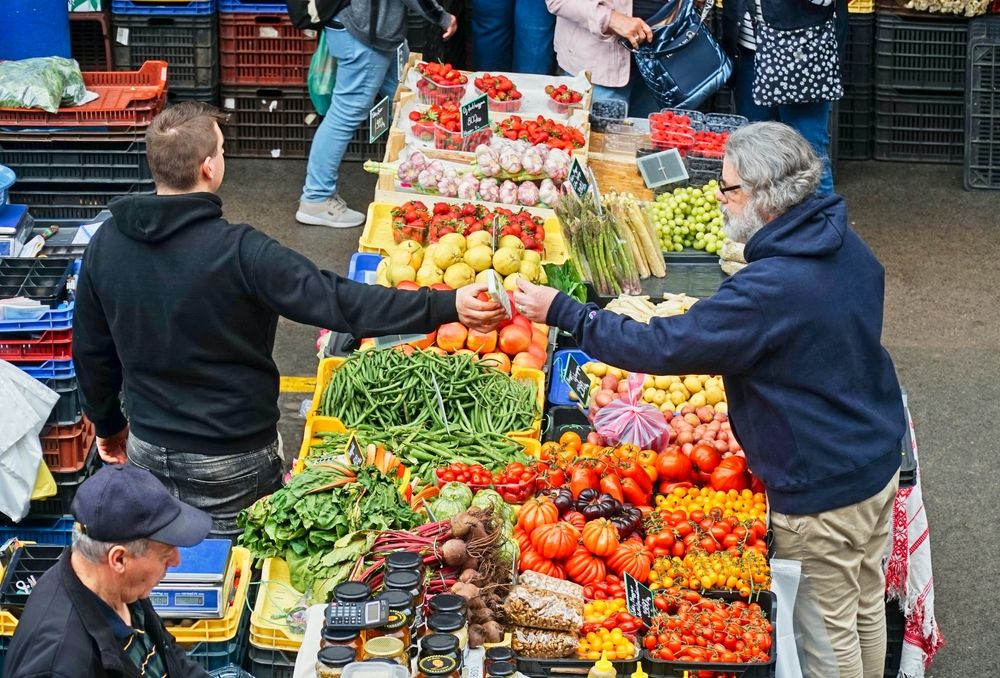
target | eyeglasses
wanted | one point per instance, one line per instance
(725, 188)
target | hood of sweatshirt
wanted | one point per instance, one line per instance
(154, 218)
(813, 228)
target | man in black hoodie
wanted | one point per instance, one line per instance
(180, 308)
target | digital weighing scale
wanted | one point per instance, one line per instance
(198, 587)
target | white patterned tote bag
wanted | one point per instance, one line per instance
(796, 66)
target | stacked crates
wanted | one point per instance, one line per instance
(183, 33)
(982, 104)
(854, 126)
(90, 40)
(920, 85)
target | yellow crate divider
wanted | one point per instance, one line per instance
(275, 595)
(220, 630)
(377, 235)
(860, 6)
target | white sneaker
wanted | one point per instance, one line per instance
(333, 212)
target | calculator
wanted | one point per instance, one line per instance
(366, 615)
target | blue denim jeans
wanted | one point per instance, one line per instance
(222, 485)
(364, 76)
(512, 35)
(811, 120)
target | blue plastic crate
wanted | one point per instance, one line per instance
(240, 7)
(58, 532)
(7, 179)
(50, 369)
(20, 319)
(193, 7)
(363, 265)
(558, 390)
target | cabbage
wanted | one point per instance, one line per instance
(459, 492)
(509, 552)
(445, 508)
(492, 499)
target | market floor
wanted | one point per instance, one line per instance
(941, 253)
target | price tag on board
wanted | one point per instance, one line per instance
(475, 115)
(577, 380)
(578, 179)
(378, 120)
(353, 451)
(496, 291)
(638, 598)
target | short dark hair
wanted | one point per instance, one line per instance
(177, 141)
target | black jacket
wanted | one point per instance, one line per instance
(63, 633)
(182, 307)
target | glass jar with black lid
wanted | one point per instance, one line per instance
(450, 622)
(437, 666)
(400, 617)
(406, 580)
(330, 661)
(499, 654)
(352, 592)
(448, 602)
(331, 637)
(404, 561)
(501, 670)
(442, 644)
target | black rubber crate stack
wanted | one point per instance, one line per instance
(90, 42)
(982, 104)
(855, 126)
(920, 86)
(188, 43)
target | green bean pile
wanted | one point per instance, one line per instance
(422, 450)
(389, 388)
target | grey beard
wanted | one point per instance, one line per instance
(742, 228)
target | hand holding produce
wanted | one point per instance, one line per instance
(534, 301)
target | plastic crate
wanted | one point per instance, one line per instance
(857, 68)
(125, 98)
(982, 105)
(188, 43)
(566, 418)
(856, 124)
(252, 7)
(90, 41)
(41, 279)
(164, 7)
(923, 55)
(65, 448)
(860, 6)
(50, 369)
(62, 201)
(51, 161)
(7, 179)
(216, 655)
(49, 345)
(363, 266)
(29, 560)
(559, 393)
(208, 95)
(67, 410)
(554, 668)
(189, 632)
(58, 531)
(264, 49)
(271, 663)
(359, 148)
(697, 275)
(267, 631)
(919, 128)
(269, 122)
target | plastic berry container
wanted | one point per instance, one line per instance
(430, 92)
(423, 130)
(506, 106)
(446, 140)
(519, 492)
(560, 108)
(401, 232)
(666, 140)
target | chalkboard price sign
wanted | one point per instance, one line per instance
(353, 451)
(378, 120)
(475, 115)
(578, 179)
(577, 380)
(638, 598)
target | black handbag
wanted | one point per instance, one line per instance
(683, 65)
(796, 66)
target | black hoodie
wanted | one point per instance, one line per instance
(181, 307)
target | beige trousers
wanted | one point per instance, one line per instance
(839, 610)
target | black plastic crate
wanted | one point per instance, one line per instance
(857, 67)
(922, 55)
(855, 124)
(190, 44)
(67, 410)
(269, 122)
(77, 202)
(895, 625)
(270, 663)
(41, 279)
(564, 418)
(89, 41)
(32, 560)
(982, 105)
(360, 149)
(208, 95)
(83, 161)
(697, 275)
(553, 668)
(919, 128)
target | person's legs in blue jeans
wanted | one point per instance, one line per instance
(362, 73)
(534, 28)
(493, 35)
(812, 121)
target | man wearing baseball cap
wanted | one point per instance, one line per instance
(90, 615)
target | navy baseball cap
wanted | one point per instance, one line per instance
(122, 503)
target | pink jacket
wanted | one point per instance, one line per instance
(584, 43)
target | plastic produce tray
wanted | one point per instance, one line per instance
(67, 485)
(895, 625)
(251, 7)
(105, 162)
(50, 369)
(49, 345)
(164, 7)
(857, 67)
(552, 668)
(29, 560)
(52, 531)
(188, 632)
(73, 202)
(566, 418)
(919, 128)
(271, 663)
(67, 411)
(697, 275)
(188, 43)
(275, 593)
(264, 49)
(363, 266)
(922, 55)
(89, 39)
(856, 124)
(125, 98)
(65, 448)
(40, 279)
(558, 390)
(216, 655)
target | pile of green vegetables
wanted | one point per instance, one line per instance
(422, 450)
(323, 520)
(439, 392)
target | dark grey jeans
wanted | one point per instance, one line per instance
(222, 485)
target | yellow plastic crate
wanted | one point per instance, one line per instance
(268, 631)
(219, 630)
(537, 376)
(377, 236)
(861, 6)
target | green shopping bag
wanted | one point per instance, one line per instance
(322, 76)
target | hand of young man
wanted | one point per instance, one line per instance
(484, 316)
(112, 448)
(533, 301)
(452, 27)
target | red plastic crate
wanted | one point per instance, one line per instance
(65, 448)
(263, 49)
(51, 345)
(125, 98)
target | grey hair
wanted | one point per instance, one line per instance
(97, 551)
(778, 168)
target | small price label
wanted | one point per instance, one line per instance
(638, 598)
(497, 293)
(475, 115)
(578, 179)
(390, 340)
(353, 451)
(378, 120)
(577, 380)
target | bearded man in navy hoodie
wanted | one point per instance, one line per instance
(813, 395)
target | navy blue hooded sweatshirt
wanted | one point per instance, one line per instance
(813, 396)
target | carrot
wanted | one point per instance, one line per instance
(429, 492)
